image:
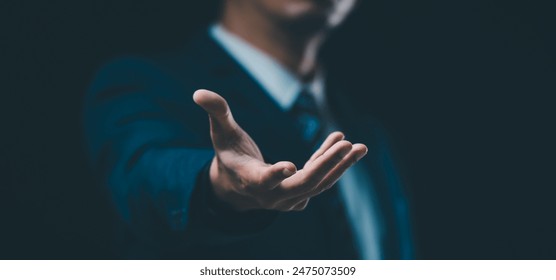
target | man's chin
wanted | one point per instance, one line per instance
(309, 8)
(317, 14)
(308, 23)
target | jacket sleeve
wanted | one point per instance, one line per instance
(150, 146)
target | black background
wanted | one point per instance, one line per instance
(464, 87)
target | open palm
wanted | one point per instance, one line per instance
(241, 178)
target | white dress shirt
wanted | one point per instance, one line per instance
(356, 187)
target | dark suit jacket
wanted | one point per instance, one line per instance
(150, 146)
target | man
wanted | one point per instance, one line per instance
(256, 186)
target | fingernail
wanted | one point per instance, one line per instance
(288, 172)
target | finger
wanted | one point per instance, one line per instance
(357, 153)
(308, 178)
(273, 175)
(332, 139)
(218, 110)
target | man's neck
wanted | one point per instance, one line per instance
(297, 51)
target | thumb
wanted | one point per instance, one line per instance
(276, 173)
(222, 121)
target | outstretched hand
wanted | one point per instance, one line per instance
(241, 178)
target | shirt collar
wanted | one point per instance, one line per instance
(282, 85)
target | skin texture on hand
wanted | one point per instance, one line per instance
(241, 178)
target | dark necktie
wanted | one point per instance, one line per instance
(310, 125)
(308, 120)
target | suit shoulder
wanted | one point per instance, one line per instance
(188, 67)
(131, 68)
(148, 73)
(125, 70)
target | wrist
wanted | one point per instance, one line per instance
(218, 214)
(222, 188)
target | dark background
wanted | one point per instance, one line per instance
(464, 87)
